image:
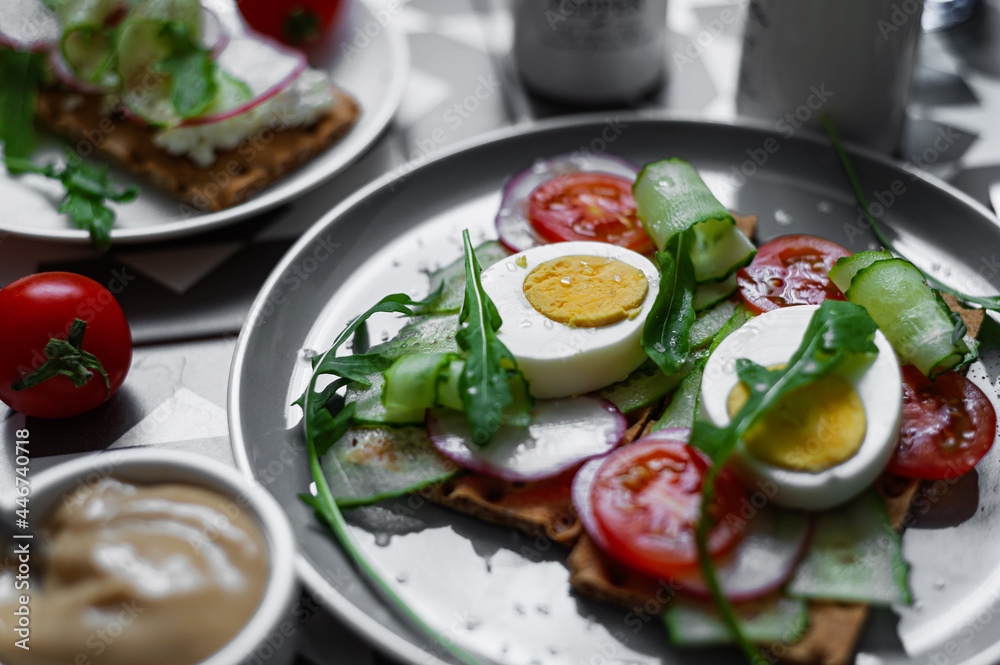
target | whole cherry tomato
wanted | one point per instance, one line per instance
(297, 23)
(65, 346)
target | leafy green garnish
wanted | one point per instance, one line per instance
(986, 302)
(20, 75)
(667, 333)
(87, 189)
(484, 386)
(191, 69)
(837, 330)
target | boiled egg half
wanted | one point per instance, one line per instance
(824, 443)
(573, 313)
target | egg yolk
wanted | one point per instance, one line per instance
(586, 291)
(813, 428)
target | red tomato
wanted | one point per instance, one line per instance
(647, 501)
(588, 206)
(297, 23)
(948, 425)
(38, 308)
(790, 270)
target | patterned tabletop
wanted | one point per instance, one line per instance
(186, 299)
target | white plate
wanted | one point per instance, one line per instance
(374, 73)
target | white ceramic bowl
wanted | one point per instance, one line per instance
(265, 637)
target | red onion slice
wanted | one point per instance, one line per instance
(513, 227)
(265, 65)
(214, 35)
(762, 562)
(563, 433)
(68, 78)
(28, 25)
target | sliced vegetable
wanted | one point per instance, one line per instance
(300, 23)
(948, 426)
(87, 46)
(645, 386)
(370, 464)
(710, 322)
(913, 317)
(647, 497)
(774, 539)
(541, 450)
(671, 197)
(791, 270)
(262, 66)
(512, 222)
(411, 385)
(27, 26)
(588, 206)
(707, 295)
(854, 557)
(844, 270)
(693, 623)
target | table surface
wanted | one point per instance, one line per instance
(186, 300)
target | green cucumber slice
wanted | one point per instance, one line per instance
(87, 45)
(141, 46)
(369, 464)
(706, 295)
(642, 387)
(910, 314)
(697, 623)
(453, 278)
(422, 334)
(854, 557)
(844, 270)
(671, 197)
(683, 407)
(709, 322)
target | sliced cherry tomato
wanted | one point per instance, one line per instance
(948, 426)
(790, 270)
(297, 23)
(588, 206)
(81, 316)
(647, 502)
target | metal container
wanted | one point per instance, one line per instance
(850, 60)
(589, 53)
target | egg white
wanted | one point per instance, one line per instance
(771, 339)
(559, 360)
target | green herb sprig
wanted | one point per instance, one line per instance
(836, 331)
(192, 71)
(986, 302)
(484, 386)
(88, 187)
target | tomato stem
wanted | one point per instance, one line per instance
(66, 357)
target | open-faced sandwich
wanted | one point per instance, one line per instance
(163, 87)
(724, 435)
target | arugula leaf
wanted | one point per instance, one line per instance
(87, 188)
(356, 367)
(192, 70)
(20, 74)
(484, 386)
(666, 337)
(837, 330)
(986, 302)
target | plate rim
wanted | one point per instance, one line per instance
(343, 609)
(399, 55)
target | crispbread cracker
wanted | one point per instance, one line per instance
(973, 318)
(236, 174)
(543, 508)
(833, 627)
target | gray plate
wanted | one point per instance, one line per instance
(507, 596)
(375, 73)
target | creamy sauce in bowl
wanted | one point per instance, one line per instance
(164, 573)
